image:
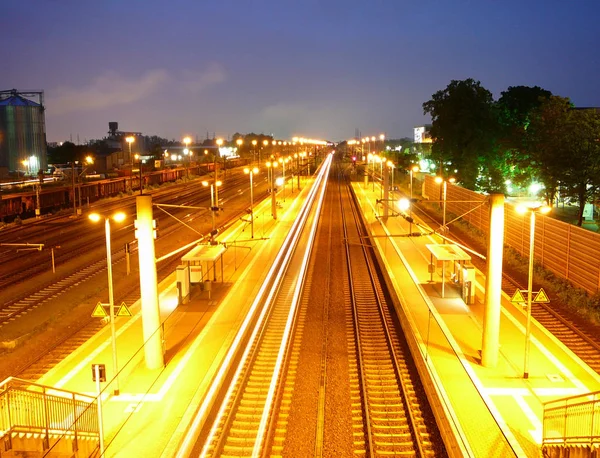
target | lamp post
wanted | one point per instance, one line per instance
(444, 184)
(117, 217)
(239, 142)
(282, 161)
(413, 169)
(138, 158)
(254, 143)
(532, 210)
(213, 206)
(216, 165)
(89, 161)
(186, 151)
(273, 196)
(129, 141)
(265, 144)
(251, 172)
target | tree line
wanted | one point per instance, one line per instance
(527, 135)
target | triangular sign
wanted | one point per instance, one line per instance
(541, 296)
(123, 310)
(99, 311)
(518, 297)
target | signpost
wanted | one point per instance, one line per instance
(98, 376)
(102, 310)
(540, 297)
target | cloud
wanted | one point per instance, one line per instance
(197, 81)
(107, 90)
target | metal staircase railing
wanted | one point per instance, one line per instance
(572, 422)
(34, 412)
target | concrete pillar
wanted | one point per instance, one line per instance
(153, 336)
(493, 283)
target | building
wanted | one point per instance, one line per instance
(22, 133)
(422, 134)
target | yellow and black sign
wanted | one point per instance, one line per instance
(99, 311)
(518, 297)
(539, 297)
(102, 310)
(123, 310)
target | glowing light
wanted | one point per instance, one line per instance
(95, 217)
(534, 188)
(119, 217)
(403, 204)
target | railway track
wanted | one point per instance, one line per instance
(75, 336)
(388, 404)
(40, 294)
(75, 238)
(250, 417)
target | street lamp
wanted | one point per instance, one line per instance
(138, 158)
(444, 183)
(213, 207)
(251, 172)
(413, 169)
(273, 164)
(532, 210)
(186, 151)
(282, 161)
(89, 160)
(117, 217)
(215, 166)
(254, 142)
(391, 165)
(129, 141)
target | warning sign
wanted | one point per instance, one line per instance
(99, 311)
(102, 310)
(123, 310)
(518, 297)
(541, 296)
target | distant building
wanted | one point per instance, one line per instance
(121, 151)
(422, 134)
(22, 132)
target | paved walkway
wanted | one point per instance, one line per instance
(151, 414)
(495, 409)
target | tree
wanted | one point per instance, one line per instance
(515, 106)
(581, 177)
(464, 130)
(545, 143)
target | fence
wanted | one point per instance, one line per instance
(45, 412)
(568, 251)
(572, 421)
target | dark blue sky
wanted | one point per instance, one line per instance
(306, 67)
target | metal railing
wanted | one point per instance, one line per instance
(45, 412)
(572, 421)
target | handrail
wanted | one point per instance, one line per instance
(29, 407)
(574, 420)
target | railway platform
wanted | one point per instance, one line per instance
(494, 411)
(154, 408)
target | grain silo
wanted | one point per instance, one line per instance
(22, 132)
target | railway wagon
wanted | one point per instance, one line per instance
(55, 197)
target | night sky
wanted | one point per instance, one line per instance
(307, 67)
